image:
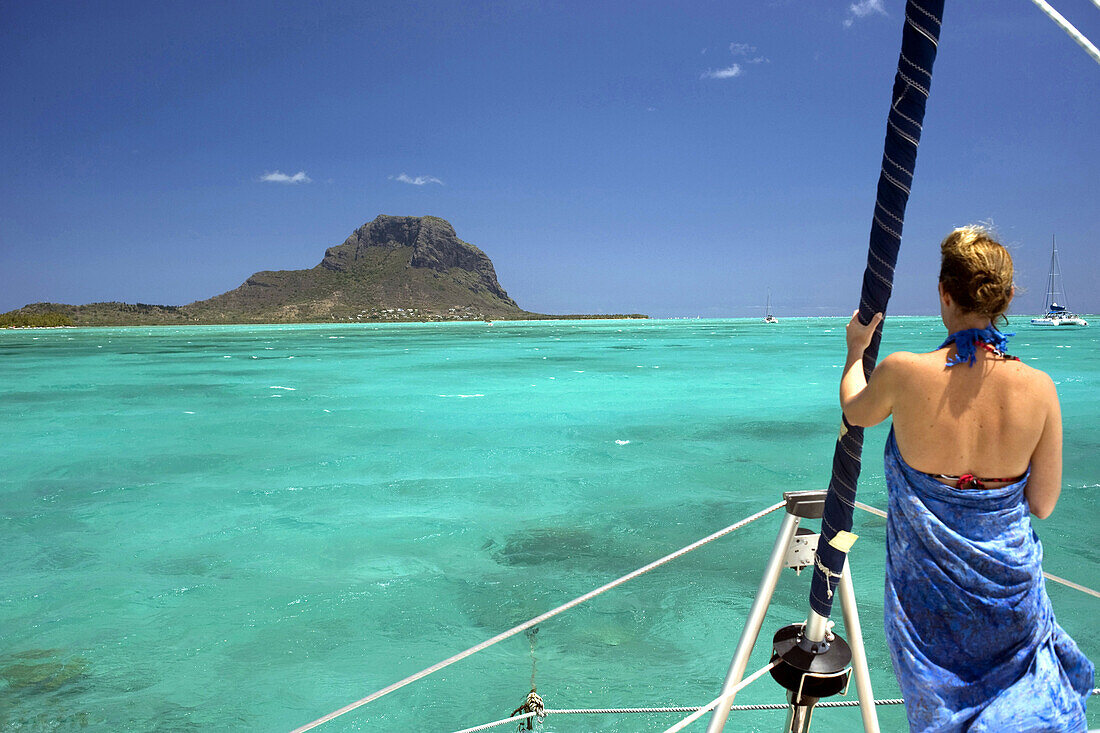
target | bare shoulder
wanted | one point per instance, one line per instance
(1035, 379)
(898, 368)
(905, 362)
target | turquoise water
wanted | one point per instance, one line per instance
(248, 527)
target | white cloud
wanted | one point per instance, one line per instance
(280, 177)
(862, 9)
(744, 50)
(417, 181)
(866, 7)
(727, 73)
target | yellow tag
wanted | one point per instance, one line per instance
(843, 541)
(843, 430)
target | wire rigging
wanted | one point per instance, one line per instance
(1072, 32)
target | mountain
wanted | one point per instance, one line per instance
(392, 268)
(415, 263)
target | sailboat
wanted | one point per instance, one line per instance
(768, 317)
(1057, 314)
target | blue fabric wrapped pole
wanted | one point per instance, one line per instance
(971, 631)
(903, 129)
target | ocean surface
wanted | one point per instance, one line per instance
(245, 528)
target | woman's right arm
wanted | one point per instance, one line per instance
(1045, 483)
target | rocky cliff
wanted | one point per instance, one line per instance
(433, 244)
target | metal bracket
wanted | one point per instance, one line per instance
(805, 504)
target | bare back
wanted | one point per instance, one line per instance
(986, 419)
(993, 419)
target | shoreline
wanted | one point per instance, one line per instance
(490, 321)
(484, 321)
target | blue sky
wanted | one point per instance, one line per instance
(666, 158)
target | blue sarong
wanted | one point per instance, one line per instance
(971, 631)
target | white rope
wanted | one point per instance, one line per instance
(539, 619)
(495, 723)
(1069, 29)
(733, 709)
(1048, 576)
(1071, 584)
(718, 700)
(873, 510)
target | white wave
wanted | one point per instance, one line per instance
(622, 442)
(464, 395)
(288, 389)
(188, 412)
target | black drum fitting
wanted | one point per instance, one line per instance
(810, 670)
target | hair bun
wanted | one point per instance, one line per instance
(976, 271)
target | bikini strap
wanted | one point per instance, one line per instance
(970, 481)
(997, 352)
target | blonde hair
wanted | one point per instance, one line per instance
(976, 271)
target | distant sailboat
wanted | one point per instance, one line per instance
(768, 317)
(1057, 314)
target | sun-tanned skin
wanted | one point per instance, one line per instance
(993, 419)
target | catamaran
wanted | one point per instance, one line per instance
(768, 317)
(1057, 314)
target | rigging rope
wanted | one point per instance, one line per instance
(903, 130)
(724, 696)
(1069, 29)
(539, 619)
(531, 634)
(733, 708)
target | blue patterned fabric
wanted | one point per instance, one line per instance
(971, 631)
(966, 343)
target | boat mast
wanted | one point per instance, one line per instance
(1051, 282)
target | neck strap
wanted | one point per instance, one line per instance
(966, 343)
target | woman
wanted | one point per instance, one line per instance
(976, 444)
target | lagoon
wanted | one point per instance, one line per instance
(247, 527)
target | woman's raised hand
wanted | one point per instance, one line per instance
(858, 335)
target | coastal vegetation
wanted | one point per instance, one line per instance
(48, 319)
